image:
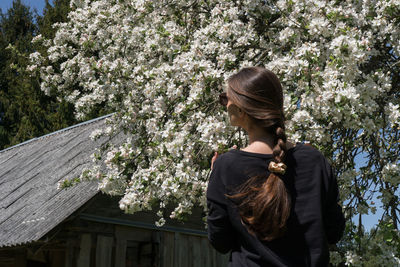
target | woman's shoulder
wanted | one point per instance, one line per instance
(227, 158)
(307, 153)
(307, 148)
(234, 161)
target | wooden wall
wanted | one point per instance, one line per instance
(101, 235)
(166, 249)
(131, 247)
(189, 250)
(83, 243)
(128, 247)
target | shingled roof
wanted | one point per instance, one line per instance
(30, 204)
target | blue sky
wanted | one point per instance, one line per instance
(38, 4)
(368, 220)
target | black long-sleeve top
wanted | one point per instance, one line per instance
(316, 218)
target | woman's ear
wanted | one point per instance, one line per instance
(234, 115)
(235, 110)
(241, 113)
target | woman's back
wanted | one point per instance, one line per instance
(315, 218)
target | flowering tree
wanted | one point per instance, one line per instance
(160, 66)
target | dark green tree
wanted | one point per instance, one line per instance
(25, 111)
(52, 13)
(17, 29)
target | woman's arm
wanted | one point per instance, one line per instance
(334, 220)
(220, 232)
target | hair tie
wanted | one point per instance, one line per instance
(278, 168)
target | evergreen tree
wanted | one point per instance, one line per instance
(17, 29)
(25, 111)
(58, 12)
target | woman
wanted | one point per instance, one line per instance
(272, 203)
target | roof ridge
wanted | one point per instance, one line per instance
(57, 132)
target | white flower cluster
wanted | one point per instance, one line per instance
(391, 174)
(161, 65)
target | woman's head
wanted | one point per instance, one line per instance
(258, 93)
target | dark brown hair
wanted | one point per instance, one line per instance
(263, 202)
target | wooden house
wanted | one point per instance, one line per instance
(79, 226)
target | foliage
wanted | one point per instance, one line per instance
(161, 64)
(25, 111)
(17, 28)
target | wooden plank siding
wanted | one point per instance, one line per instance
(104, 250)
(167, 249)
(191, 250)
(83, 243)
(178, 244)
(120, 252)
(175, 249)
(84, 252)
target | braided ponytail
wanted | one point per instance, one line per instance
(263, 202)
